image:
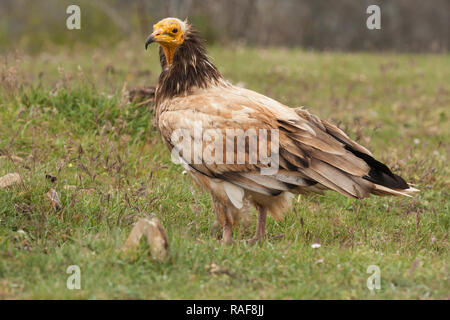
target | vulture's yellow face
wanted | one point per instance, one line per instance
(169, 33)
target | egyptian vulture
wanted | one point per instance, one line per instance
(211, 127)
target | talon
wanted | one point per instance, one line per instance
(226, 241)
(254, 240)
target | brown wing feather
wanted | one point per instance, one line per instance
(314, 155)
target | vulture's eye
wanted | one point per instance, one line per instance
(175, 30)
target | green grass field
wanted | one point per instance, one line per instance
(63, 113)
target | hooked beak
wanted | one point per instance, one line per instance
(151, 38)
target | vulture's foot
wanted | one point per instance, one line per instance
(260, 227)
(255, 240)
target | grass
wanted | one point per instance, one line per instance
(64, 114)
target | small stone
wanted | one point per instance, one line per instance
(9, 180)
(214, 269)
(155, 235)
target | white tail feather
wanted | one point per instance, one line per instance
(404, 192)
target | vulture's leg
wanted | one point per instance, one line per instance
(215, 232)
(223, 219)
(260, 225)
(227, 235)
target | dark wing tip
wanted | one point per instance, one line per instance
(379, 173)
(387, 180)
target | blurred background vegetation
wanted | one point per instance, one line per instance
(67, 125)
(407, 25)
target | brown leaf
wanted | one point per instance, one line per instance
(53, 196)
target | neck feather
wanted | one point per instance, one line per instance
(190, 69)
